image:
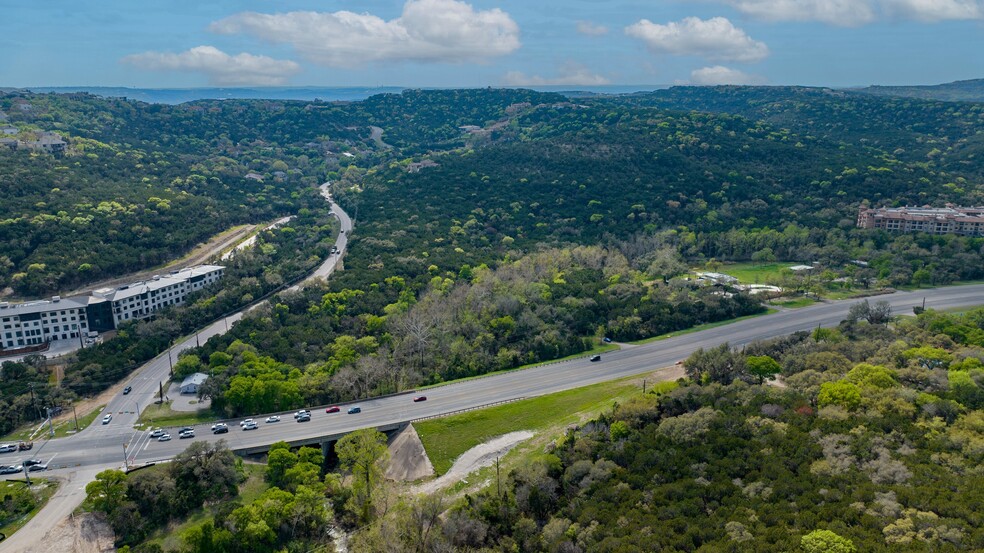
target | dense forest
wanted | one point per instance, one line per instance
(872, 443)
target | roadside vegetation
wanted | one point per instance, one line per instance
(21, 502)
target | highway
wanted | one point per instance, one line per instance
(100, 446)
(104, 443)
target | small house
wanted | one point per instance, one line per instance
(192, 383)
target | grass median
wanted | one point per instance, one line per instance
(447, 438)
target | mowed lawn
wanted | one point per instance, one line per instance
(447, 438)
(757, 273)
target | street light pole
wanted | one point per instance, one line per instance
(126, 463)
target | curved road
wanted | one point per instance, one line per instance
(104, 444)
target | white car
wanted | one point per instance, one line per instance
(7, 448)
(164, 438)
(157, 433)
(302, 413)
(11, 469)
(186, 434)
(273, 418)
(247, 422)
(107, 418)
(38, 467)
(251, 425)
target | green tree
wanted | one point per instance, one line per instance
(108, 491)
(364, 454)
(762, 366)
(841, 393)
(825, 541)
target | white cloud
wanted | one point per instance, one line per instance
(221, 68)
(934, 10)
(718, 74)
(714, 38)
(427, 30)
(849, 13)
(573, 74)
(591, 29)
(845, 13)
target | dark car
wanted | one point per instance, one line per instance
(32, 462)
(595, 358)
(607, 340)
(332, 409)
(420, 398)
(304, 418)
(354, 410)
(220, 428)
(127, 390)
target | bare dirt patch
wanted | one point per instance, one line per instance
(480, 456)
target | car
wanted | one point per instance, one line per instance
(301, 413)
(607, 340)
(156, 433)
(304, 418)
(220, 428)
(186, 434)
(11, 469)
(246, 421)
(107, 418)
(251, 425)
(7, 448)
(38, 467)
(127, 390)
(273, 418)
(164, 438)
(24, 446)
(333, 409)
(595, 358)
(186, 429)
(354, 410)
(419, 399)
(32, 462)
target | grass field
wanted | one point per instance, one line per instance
(44, 489)
(62, 429)
(757, 273)
(448, 437)
(160, 414)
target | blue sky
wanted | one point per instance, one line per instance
(447, 43)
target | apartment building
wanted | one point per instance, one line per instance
(34, 323)
(141, 299)
(964, 221)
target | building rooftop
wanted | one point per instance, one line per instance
(156, 283)
(42, 306)
(197, 379)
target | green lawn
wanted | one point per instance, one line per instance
(793, 303)
(160, 414)
(44, 489)
(757, 273)
(448, 437)
(62, 429)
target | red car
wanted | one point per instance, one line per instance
(419, 398)
(332, 409)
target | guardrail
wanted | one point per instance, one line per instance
(466, 409)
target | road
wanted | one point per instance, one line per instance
(104, 444)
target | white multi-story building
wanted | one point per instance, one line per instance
(34, 323)
(966, 221)
(141, 299)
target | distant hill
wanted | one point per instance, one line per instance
(959, 91)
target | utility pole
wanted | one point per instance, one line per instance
(643, 386)
(51, 429)
(161, 384)
(34, 401)
(26, 475)
(76, 415)
(498, 486)
(126, 464)
(170, 363)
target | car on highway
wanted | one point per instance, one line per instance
(595, 358)
(32, 462)
(156, 433)
(354, 410)
(273, 418)
(304, 418)
(107, 418)
(220, 428)
(11, 469)
(333, 409)
(186, 429)
(419, 399)
(246, 421)
(7, 448)
(186, 434)
(251, 425)
(127, 390)
(301, 413)
(38, 467)
(164, 438)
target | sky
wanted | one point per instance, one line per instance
(478, 43)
